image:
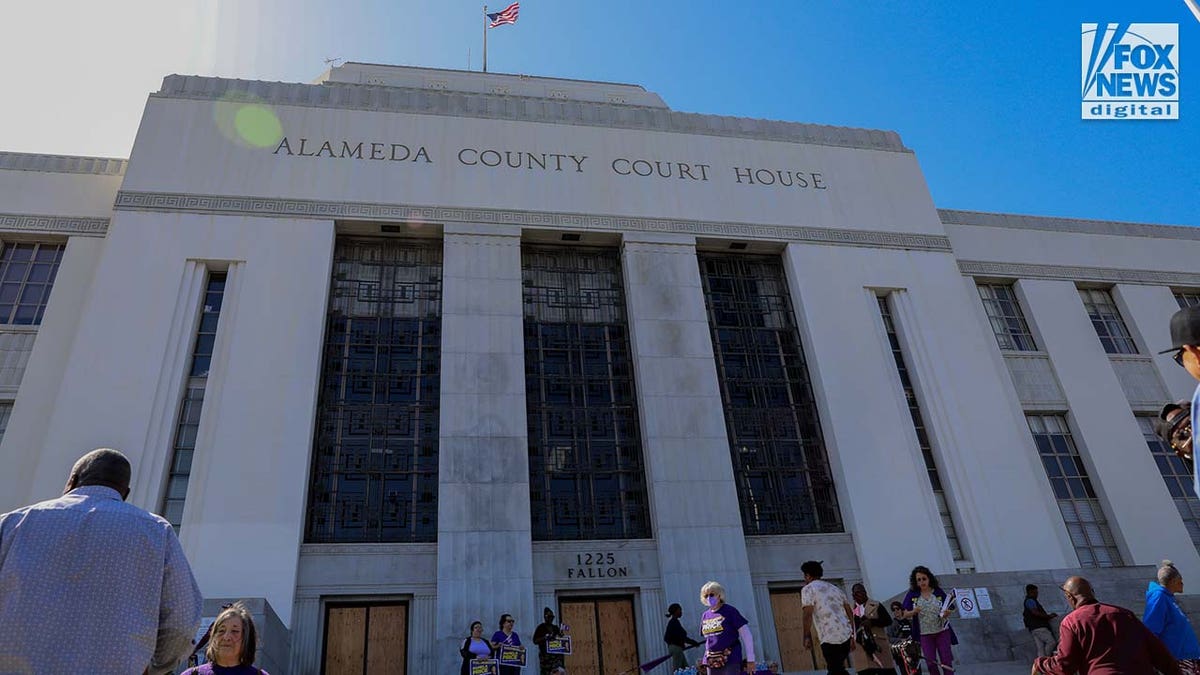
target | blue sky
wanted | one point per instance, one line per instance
(986, 94)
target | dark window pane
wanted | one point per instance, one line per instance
(767, 397)
(586, 475)
(374, 474)
(1081, 510)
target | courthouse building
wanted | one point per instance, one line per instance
(406, 348)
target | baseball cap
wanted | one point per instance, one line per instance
(1185, 328)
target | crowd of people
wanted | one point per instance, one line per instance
(93, 554)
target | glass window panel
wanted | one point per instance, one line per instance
(1106, 319)
(6, 408)
(374, 472)
(1187, 298)
(26, 285)
(188, 420)
(1004, 314)
(767, 396)
(1084, 518)
(1175, 473)
(587, 479)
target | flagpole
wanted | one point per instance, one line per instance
(485, 22)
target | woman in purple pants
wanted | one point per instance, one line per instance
(926, 603)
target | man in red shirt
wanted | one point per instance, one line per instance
(1100, 639)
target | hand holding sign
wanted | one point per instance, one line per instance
(484, 667)
(559, 645)
(511, 655)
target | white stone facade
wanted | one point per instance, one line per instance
(105, 367)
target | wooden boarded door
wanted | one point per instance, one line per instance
(366, 639)
(789, 631)
(603, 634)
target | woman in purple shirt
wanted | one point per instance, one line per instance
(728, 647)
(506, 636)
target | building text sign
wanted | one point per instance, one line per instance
(597, 565)
(538, 163)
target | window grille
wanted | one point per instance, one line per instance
(586, 472)
(1177, 477)
(780, 464)
(27, 272)
(1107, 321)
(375, 448)
(1005, 316)
(188, 423)
(1077, 500)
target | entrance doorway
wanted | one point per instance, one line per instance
(366, 639)
(603, 634)
(789, 631)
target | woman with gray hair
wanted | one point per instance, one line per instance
(232, 644)
(1166, 620)
(728, 647)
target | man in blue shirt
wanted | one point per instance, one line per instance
(90, 584)
(1185, 343)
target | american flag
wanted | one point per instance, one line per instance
(507, 15)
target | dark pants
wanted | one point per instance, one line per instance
(836, 655)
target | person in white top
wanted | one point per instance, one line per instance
(826, 605)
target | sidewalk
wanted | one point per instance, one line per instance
(998, 668)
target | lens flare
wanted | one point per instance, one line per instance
(257, 125)
(244, 119)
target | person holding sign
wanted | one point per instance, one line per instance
(546, 631)
(931, 607)
(726, 634)
(506, 636)
(474, 647)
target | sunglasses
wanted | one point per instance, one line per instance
(1177, 357)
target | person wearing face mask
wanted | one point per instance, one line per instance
(1167, 621)
(728, 646)
(507, 636)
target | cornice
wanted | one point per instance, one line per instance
(1078, 225)
(38, 224)
(378, 98)
(103, 166)
(329, 210)
(1072, 273)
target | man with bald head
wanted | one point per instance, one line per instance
(1100, 639)
(90, 584)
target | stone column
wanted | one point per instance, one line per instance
(1141, 512)
(882, 487)
(694, 503)
(485, 563)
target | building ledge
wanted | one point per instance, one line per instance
(22, 161)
